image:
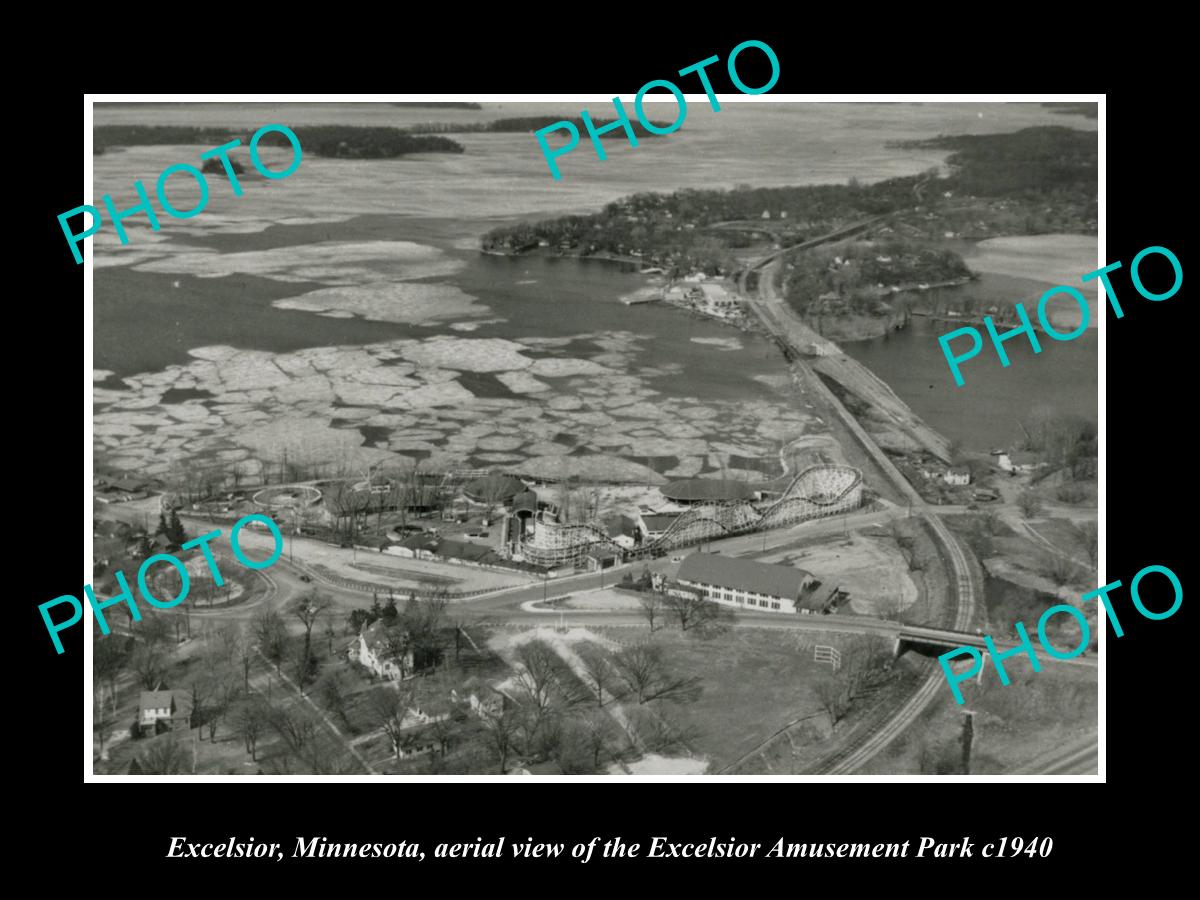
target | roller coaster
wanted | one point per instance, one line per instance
(816, 492)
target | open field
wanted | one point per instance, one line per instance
(1034, 715)
(873, 571)
(754, 682)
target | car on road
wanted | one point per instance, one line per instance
(676, 559)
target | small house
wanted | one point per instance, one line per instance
(385, 651)
(957, 475)
(170, 708)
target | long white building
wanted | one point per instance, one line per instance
(748, 584)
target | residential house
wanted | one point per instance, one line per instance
(170, 708)
(957, 475)
(385, 651)
(1019, 462)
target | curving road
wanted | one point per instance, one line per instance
(781, 323)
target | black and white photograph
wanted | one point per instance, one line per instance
(491, 437)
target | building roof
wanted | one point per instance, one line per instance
(419, 542)
(693, 490)
(126, 483)
(378, 636)
(1023, 457)
(495, 487)
(818, 599)
(179, 702)
(959, 470)
(526, 501)
(155, 700)
(659, 521)
(619, 526)
(462, 550)
(743, 574)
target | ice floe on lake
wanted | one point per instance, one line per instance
(313, 405)
(397, 301)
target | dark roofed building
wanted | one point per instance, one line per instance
(525, 503)
(745, 582)
(707, 490)
(655, 524)
(819, 598)
(494, 488)
(622, 530)
(463, 550)
(416, 546)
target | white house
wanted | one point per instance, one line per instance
(170, 707)
(385, 651)
(1018, 462)
(957, 475)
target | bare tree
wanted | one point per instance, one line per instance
(904, 540)
(330, 630)
(109, 658)
(102, 723)
(645, 673)
(502, 729)
(651, 603)
(243, 653)
(537, 679)
(308, 609)
(991, 521)
(270, 635)
(149, 665)
(690, 609)
(226, 690)
(333, 697)
(249, 719)
(296, 727)
(596, 727)
(1029, 503)
(202, 688)
(833, 697)
(1062, 570)
(1091, 540)
(154, 631)
(598, 670)
(166, 757)
(659, 732)
(857, 675)
(390, 708)
(495, 492)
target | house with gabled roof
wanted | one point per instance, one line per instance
(385, 651)
(171, 709)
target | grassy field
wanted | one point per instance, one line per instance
(1035, 714)
(755, 682)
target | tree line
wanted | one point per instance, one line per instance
(334, 141)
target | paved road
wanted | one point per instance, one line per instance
(962, 579)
